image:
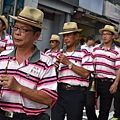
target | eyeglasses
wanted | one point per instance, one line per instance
(22, 30)
(107, 34)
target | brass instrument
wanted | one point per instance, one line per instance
(93, 85)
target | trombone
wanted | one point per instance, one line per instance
(93, 85)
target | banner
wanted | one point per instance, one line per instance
(95, 6)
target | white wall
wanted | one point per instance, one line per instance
(32, 3)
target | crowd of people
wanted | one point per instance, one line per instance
(31, 81)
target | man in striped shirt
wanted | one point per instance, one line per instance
(116, 115)
(107, 63)
(6, 42)
(54, 44)
(27, 76)
(74, 68)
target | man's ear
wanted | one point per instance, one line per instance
(58, 43)
(77, 36)
(113, 37)
(3, 27)
(37, 35)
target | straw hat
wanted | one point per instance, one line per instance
(70, 27)
(31, 16)
(3, 18)
(55, 37)
(108, 28)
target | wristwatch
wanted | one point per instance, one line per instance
(70, 65)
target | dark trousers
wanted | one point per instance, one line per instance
(105, 100)
(70, 102)
(18, 116)
(90, 103)
(117, 103)
(2, 117)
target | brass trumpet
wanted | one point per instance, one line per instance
(93, 85)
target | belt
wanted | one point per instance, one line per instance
(11, 114)
(106, 79)
(72, 87)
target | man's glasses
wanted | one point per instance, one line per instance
(22, 30)
(107, 34)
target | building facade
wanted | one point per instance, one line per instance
(90, 16)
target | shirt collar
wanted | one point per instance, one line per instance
(3, 35)
(32, 59)
(78, 47)
(112, 46)
(85, 45)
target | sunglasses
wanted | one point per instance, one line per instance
(53, 41)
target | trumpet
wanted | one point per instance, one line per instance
(93, 85)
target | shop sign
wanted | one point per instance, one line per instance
(95, 6)
(71, 2)
(111, 11)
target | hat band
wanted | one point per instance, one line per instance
(71, 29)
(29, 20)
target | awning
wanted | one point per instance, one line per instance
(116, 25)
(100, 19)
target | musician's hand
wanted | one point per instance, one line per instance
(8, 81)
(56, 63)
(113, 88)
(63, 59)
(50, 55)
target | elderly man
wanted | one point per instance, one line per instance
(27, 75)
(74, 68)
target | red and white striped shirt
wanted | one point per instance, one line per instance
(37, 72)
(6, 41)
(53, 55)
(81, 58)
(106, 61)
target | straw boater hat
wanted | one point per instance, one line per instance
(70, 27)
(108, 28)
(31, 16)
(3, 18)
(55, 37)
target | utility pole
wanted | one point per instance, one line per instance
(11, 22)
